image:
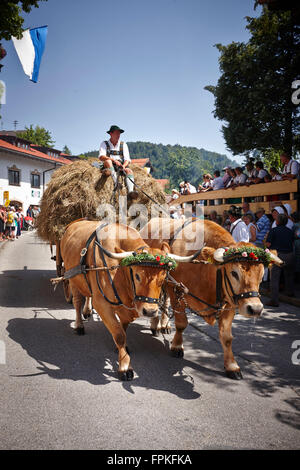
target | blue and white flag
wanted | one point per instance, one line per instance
(30, 49)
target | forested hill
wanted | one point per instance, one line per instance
(176, 162)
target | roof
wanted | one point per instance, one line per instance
(163, 182)
(32, 152)
(140, 161)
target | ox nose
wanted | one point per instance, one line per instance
(255, 309)
(149, 312)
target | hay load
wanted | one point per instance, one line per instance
(76, 190)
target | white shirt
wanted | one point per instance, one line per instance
(239, 231)
(103, 150)
(276, 178)
(189, 186)
(252, 174)
(262, 173)
(217, 183)
(291, 167)
(240, 179)
(289, 224)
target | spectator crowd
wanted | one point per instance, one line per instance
(278, 231)
(13, 221)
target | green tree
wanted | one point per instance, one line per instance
(38, 135)
(67, 150)
(11, 21)
(253, 93)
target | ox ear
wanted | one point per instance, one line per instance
(165, 248)
(207, 254)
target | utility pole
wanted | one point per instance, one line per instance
(15, 124)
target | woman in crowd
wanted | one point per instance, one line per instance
(279, 210)
(249, 221)
(276, 176)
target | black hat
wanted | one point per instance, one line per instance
(115, 128)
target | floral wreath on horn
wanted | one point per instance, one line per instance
(146, 259)
(248, 253)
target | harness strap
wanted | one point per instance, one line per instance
(110, 152)
(101, 252)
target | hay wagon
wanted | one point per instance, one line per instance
(76, 191)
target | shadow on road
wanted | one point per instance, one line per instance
(30, 288)
(61, 354)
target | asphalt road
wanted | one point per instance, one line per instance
(60, 391)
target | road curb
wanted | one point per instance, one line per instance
(283, 298)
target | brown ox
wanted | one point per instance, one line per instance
(137, 281)
(200, 279)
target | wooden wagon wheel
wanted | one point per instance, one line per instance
(60, 271)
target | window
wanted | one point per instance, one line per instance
(14, 177)
(35, 180)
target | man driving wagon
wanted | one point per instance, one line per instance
(114, 155)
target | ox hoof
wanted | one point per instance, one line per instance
(234, 374)
(177, 352)
(79, 331)
(87, 315)
(127, 375)
(155, 332)
(166, 331)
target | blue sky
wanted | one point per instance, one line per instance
(140, 64)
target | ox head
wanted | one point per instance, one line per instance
(242, 276)
(146, 278)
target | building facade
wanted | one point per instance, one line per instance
(25, 170)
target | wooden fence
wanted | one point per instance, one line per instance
(266, 195)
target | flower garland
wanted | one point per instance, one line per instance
(248, 253)
(144, 257)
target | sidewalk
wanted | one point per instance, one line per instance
(265, 290)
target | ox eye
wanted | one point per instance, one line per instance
(137, 277)
(235, 275)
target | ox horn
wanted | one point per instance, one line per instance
(118, 255)
(275, 259)
(219, 255)
(185, 259)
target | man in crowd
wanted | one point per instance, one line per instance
(226, 176)
(291, 167)
(251, 170)
(263, 226)
(246, 209)
(217, 182)
(281, 239)
(238, 228)
(261, 173)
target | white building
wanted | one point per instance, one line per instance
(25, 170)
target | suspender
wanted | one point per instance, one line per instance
(110, 152)
(233, 228)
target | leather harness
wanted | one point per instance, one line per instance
(82, 269)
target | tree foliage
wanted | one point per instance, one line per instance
(66, 150)
(11, 21)
(38, 136)
(253, 93)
